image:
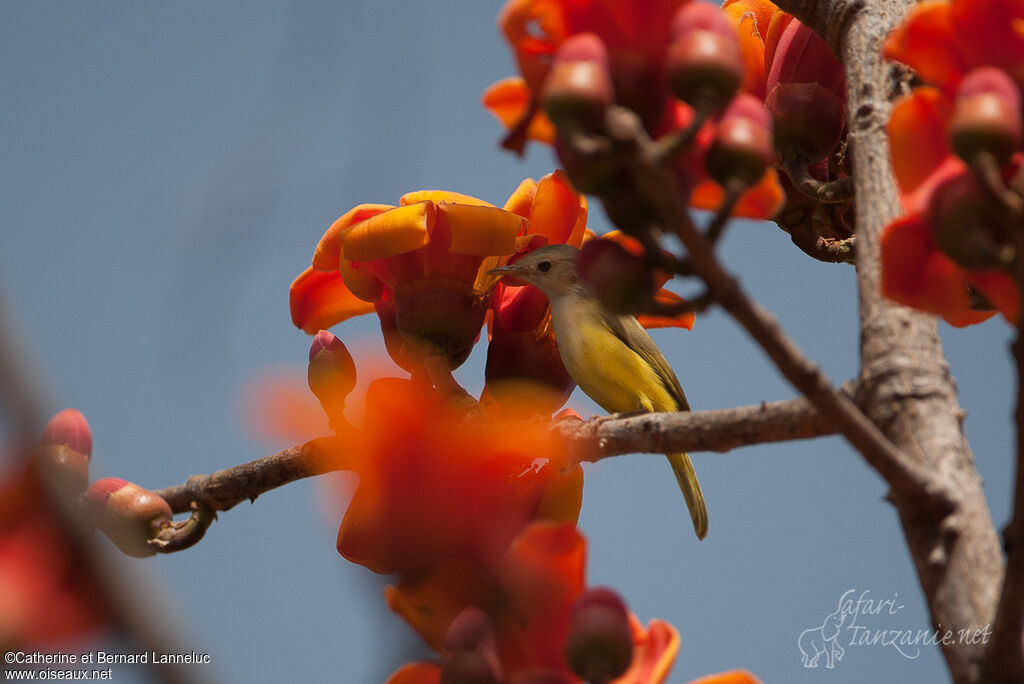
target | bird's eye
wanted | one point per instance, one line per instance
(544, 266)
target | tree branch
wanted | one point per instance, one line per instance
(662, 194)
(717, 430)
(226, 488)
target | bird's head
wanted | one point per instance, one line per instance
(551, 269)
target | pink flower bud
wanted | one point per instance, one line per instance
(742, 149)
(127, 514)
(600, 646)
(622, 281)
(704, 62)
(578, 89)
(468, 667)
(987, 116)
(471, 629)
(968, 226)
(70, 428)
(808, 121)
(331, 373)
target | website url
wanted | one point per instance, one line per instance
(62, 675)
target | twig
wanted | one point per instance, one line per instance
(907, 478)
(828, 192)
(226, 488)
(733, 192)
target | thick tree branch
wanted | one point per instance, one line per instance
(906, 387)
(717, 430)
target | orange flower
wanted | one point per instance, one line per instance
(949, 44)
(438, 502)
(420, 260)
(537, 585)
(635, 34)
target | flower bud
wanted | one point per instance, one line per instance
(63, 455)
(968, 227)
(704, 62)
(621, 281)
(468, 667)
(987, 116)
(70, 428)
(538, 676)
(128, 514)
(331, 373)
(742, 149)
(599, 646)
(471, 629)
(808, 121)
(578, 89)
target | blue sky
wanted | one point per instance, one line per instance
(167, 170)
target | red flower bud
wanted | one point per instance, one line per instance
(70, 428)
(471, 629)
(127, 514)
(468, 667)
(704, 62)
(808, 121)
(600, 645)
(331, 373)
(62, 459)
(742, 149)
(622, 281)
(987, 116)
(578, 89)
(968, 227)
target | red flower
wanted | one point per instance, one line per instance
(953, 46)
(541, 578)
(636, 38)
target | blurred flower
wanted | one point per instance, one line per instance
(943, 255)
(556, 39)
(540, 581)
(417, 264)
(48, 590)
(439, 501)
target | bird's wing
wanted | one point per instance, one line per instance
(629, 330)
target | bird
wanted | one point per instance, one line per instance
(610, 356)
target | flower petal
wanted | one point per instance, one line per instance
(989, 33)
(520, 201)
(439, 196)
(925, 42)
(917, 136)
(762, 201)
(319, 299)
(654, 652)
(393, 232)
(558, 211)
(916, 274)
(683, 320)
(328, 250)
(730, 677)
(509, 100)
(481, 230)
(1001, 291)
(416, 673)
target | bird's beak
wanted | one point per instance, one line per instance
(502, 270)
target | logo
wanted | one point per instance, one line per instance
(861, 620)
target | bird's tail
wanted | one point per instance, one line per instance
(687, 478)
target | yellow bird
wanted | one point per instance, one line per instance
(610, 356)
